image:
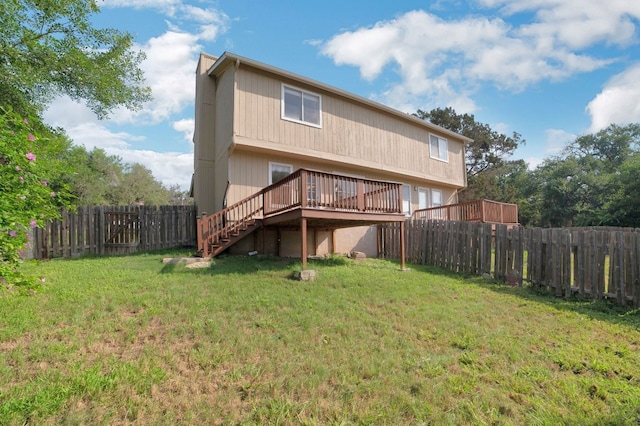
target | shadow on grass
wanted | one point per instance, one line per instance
(223, 265)
(602, 310)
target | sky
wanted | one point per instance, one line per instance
(550, 70)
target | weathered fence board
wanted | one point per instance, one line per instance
(599, 263)
(103, 230)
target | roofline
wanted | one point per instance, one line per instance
(228, 57)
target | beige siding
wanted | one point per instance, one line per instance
(203, 137)
(352, 131)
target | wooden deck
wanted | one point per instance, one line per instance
(484, 211)
(306, 199)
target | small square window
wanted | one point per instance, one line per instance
(438, 148)
(301, 106)
(278, 172)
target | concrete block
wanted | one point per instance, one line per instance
(307, 275)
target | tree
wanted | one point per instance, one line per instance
(138, 186)
(96, 176)
(49, 47)
(593, 182)
(623, 208)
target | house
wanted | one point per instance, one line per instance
(256, 124)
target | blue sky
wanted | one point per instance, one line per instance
(550, 70)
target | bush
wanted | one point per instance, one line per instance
(27, 199)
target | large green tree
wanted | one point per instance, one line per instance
(49, 47)
(593, 182)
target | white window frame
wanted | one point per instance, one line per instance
(432, 198)
(272, 164)
(303, 93)
(442, 149)
(406, 202)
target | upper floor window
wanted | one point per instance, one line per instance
(438, 148)
(301, 106)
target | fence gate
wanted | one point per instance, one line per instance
(121, 231)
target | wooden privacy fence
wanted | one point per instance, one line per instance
(599, 263)
(115, 230)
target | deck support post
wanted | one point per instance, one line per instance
(333, 241)
(402, 250)
(303, 242)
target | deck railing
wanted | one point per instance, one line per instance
(301, 189)
(212, 229)
(484, 211)
(319, 190)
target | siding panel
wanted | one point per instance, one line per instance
(351, 130)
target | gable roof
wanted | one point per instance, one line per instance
(228, 58)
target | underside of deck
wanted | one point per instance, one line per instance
(328, 219)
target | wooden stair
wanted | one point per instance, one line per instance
(226, 227)
(233, 237)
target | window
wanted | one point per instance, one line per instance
(279, 171)
(301, 106)
(423, 198)
(438, 148)
(436, 198)
(406, 200)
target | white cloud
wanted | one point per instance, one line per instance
(442, 62)
(170, 168)
(174, 9)
(618, 102)
(186, 126)
(576, 24)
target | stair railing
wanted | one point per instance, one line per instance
(223, 225)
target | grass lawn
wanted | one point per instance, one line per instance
(128, 340)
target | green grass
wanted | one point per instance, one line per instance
(127, 340)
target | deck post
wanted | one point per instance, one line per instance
(402, 250)
(303, 242)
(333, 241)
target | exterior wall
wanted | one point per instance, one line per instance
(213, 134)
(204, 148)
(351, 132)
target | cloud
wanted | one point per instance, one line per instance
(169, 71)
(576, 24)
(186, 126)
(175, 9)
(170, 168)
(618, 102)
(443, 62)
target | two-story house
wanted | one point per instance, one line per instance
(256, 124)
